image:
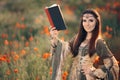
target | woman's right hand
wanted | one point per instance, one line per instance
(54, 35)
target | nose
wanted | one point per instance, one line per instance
(87, 23)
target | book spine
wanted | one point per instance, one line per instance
(49, 17)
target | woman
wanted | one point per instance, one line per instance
(84, 47)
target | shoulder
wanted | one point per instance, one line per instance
(102, 49)
(100, 42)
(72, 39)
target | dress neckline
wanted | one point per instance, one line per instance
(85, 43)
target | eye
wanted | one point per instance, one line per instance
(84, 20)
(91, 20)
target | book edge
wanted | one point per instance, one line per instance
(54, 5)
(62, 16)
(49, 17)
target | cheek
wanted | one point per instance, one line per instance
(93, 24)
(83, 23)
(93, 28)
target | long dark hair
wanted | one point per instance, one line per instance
(80, 37)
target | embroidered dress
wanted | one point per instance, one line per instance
(109, 71)
(81, 59)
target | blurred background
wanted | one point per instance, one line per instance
(25, 39)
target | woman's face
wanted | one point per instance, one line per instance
(89, 22)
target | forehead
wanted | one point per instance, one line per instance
(88, 16)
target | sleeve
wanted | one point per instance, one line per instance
(59, 52)
(102, 49)
(65, 48)
(105, 54)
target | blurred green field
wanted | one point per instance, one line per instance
(25, 39)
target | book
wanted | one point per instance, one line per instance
(55, 17)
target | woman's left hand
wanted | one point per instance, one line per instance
(86, 69)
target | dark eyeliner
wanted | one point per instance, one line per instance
(91, 20)
(84, 20)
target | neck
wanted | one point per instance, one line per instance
(89, 35)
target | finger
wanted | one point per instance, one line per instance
(52, 28)
(83, 72)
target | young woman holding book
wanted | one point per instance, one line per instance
(84, 47)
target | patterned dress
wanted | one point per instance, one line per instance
(108, 71)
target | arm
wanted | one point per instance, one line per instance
(108, 59)
(59, 50)
(66, 46)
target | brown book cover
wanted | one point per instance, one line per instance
(55, 17)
